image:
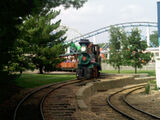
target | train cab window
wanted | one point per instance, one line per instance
(96, 50)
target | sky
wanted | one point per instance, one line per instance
(96, 14)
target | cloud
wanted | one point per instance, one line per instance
(100, 13)
(131, 12)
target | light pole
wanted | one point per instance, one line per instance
(158, 58)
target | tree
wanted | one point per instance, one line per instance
(12, 13)
(44, 39)
(52, 57)
(117, 35)
(20, 60)
(136, 55)
(154, 38)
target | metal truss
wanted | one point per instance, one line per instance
(106, 29)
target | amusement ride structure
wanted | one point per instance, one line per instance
(145, 27)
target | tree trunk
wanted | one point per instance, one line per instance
(21, 71)
(135, 69)
(41, 70)
(119, 69)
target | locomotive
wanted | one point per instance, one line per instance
(89, 60)
(84, 59)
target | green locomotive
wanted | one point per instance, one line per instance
(89, 61)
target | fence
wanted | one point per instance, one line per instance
(149, 66)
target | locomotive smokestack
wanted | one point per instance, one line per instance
(84, 41)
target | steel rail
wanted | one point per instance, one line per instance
(147, 113)
(30, 94)
(52, 90)
(115, 108)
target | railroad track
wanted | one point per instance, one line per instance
(118, 102)
(31, 106)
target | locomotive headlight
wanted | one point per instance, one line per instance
(83, 48)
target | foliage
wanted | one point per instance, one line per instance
(151, 86)
(12, 13)
(154, 38)
(116, 37)
(148, 88)
(135, 54)
(127, 49)
(20, 61)
(48, 58)
(44, 40)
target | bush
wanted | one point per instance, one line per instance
(148, 88)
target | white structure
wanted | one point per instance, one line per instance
(155, 52)
(158, 59)
(94, 40)
(158, 72)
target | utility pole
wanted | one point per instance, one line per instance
(158, 58)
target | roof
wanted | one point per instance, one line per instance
(67, 54)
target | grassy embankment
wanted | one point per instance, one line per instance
(151, 86)
(34, 80)
(149, 72)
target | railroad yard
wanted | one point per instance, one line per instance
(96, 99)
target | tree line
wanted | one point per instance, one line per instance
(127, 49)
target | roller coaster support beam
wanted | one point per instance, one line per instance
(148, 36)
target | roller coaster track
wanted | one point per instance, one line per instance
(106, 29)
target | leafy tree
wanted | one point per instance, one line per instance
(11, 14)
(44, 39)
(52, 57)
(154, 38)
(116, 55)
(135, 54)
(20, 61)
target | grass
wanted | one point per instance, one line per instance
(7, 89)
(151, 86)
(34, 80)
(149, 72)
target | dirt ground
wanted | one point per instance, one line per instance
(149, 103)
(99, 109)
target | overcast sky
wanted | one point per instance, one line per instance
(99, 13)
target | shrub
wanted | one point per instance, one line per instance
(148, 88)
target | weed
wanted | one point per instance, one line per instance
(148, 88)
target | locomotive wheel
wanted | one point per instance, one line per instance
(79, 74)
(98, 74)
(95, 72)
(87, 73)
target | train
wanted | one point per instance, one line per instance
(84, 59)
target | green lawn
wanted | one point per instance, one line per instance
(150, 73)
(29, 81)
(34, 80)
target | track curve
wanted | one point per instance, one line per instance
(38, 96)
(118, 102)
(127, 102)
